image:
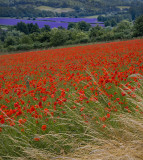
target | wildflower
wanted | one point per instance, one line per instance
(117, 99)
(82, 108)
(44, 127)
(123, 94)
(108, 115)
(102, 119)
(36, 139)
(22, 130)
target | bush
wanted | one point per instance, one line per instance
(11, 48)
(24, 47)
(9, 41)
(107, 36)
(96, 32)
(123, 30)
(69, 42)
(58, 37)
(26, 40)
(37, 45)
(83, 26)
(138, 26)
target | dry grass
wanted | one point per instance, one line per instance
(125, 144)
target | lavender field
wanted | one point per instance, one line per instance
(67, 19)
(52, 22)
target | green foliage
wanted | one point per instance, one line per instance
(12, 48)
(107, 36)
(38, 45)
(71, 25)
(22, 27)
(27, 28)
(78, 36)
(21, 11)
(58, 37)
(26, 40)
(24, 47)
(10, 41)
(32, 27)
(123, 30)
(136, 9)
(95, 32)
(83, 26)
(46, 28)
(122, 26)
(113, 19)
(82, 37)
(28, 8)
(15, 33)
(138, 26)
(1, 45)
(34, 38)
(44, 37)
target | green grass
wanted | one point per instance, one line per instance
(123, 7)
(94, 16)
(58, 10)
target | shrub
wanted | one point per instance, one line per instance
(24, 47)
(138, 26)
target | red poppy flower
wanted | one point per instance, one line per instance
(36, 139)
(44, 127)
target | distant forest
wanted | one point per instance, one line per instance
(27, 8)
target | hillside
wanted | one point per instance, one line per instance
(83, 99)
(76, 7)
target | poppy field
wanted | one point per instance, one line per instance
(58, 99)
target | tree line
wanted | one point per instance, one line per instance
(27, 8)
(29, 36)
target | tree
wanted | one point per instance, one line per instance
(138, 26)
(123, 30)
(47, 28)
(82, 37)
(1, 30)
(26, 40)
(22, 27)
(77, 36)
(71, 25)
(136, 9)
(113, 22)
(33, 27)
(58, 37)
(96, 32)
(9, 41)
(83, 26)
(44, 37)
(107, 23)
(122, 26)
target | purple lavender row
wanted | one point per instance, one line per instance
(41, 24)
(66, 19)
